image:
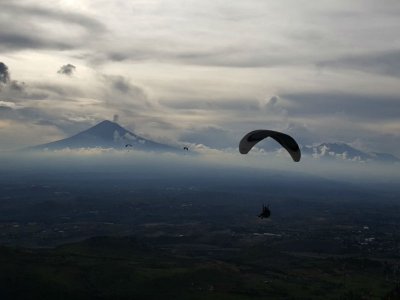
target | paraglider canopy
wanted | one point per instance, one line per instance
(286, 141)
(186, 148)
(128, 145)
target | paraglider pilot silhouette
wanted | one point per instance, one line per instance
(286, 141)
(265, 213)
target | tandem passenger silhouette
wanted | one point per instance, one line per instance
(265, 213)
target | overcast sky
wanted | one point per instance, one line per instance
(202, 71)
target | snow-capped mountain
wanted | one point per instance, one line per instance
(106, 134)
(346, 152)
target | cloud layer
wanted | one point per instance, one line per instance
(204, 73)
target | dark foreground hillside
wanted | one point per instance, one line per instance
(114, 236)
(153, 268)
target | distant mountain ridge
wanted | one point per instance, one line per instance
(346, 152)
(106, 134)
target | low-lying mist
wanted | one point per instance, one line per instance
(210, 166)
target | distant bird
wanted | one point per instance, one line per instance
(265, 213)
(186, 148)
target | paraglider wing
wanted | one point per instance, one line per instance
(286, 141)
(128, 145)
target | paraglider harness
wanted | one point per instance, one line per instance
(265, 212)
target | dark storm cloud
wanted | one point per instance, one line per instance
(4, 74)
(385, 63)
(359, 107)
(30, 27)
(67, 69)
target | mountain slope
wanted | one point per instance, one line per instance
(346, 152)
(106, 134)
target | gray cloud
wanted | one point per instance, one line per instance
(211, 136)
(4, 74)
(36, 30)
(67, 69)
(17, 41)
(302, 133)
(60, 106)
(14, 90)
(204, 68)
(45, 123)
(16, 105)
(67, 123)
(232, 56)
(340, 117)
(385, 63)
(120, 92)
(285, 34)
(358, 107)
(206, 34)
(271, 104)
(19, 92)
(223, 104)
(274, 106)
(123, 86)
(7, 105)
(223, 138)
(17, 86)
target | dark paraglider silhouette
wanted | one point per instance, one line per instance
(286, 141)
(186, 148)
(128, 145)
(265, 213)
